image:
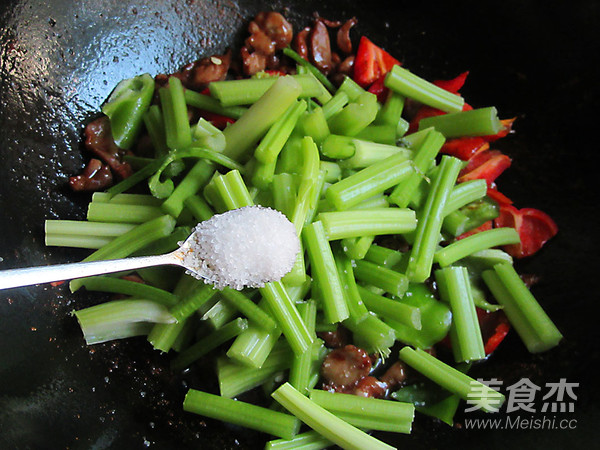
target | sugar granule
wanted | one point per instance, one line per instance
(248, 246)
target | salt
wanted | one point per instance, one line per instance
(248, 246)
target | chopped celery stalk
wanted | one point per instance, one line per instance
(356, 308)
(302, 364)
(252, 347)
(355, 116)
(451, 379)
(208, 103)
(423, 157)
(335, 105)
(390, 281)
(314, 124)
(241, 413)
(248, 91)
(464, 193)
(309, 440)
(393, 309)
(333, 172)
(192, 301)
(125, 199)
(430, 221)
(218, 313)
(126, 287)
(126, 107)
(533, 325)
(198, 207)
(351, 89)
(475, 122)
(465, 334)
(370, 181)
(206, 135)
(177, 125)
(197, 177)
(242, 135)
(287, 316)
(475, 243)
(124, 245)
(324, 270)
(383, 256)
(284, 193)
(235, 379)
(208, 343)
(367, 153)
(391, 112)
(365, 412)
(269, 147)
(117, 213)
(338, 147)
(324, 422)
(114, 319)
(308, 183)
(357, 248)
(248, 308)
(356, 223)
(76, 241)
(382, 134)
(311, 69)
(405, 83)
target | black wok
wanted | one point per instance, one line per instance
(60, 59)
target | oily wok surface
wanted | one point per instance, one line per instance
(60, 59)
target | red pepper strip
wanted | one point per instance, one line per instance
(371, 62)
(379, 89)
(506, 129)
(56, 283)
(275, 73)
(484, 227)
(454, 85)
(485, 165)
(535, 228)
(494, 328)
(498, 196)
(463, 148)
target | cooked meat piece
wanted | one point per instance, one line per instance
(394, 376)
(301, 43)
(335, 339)
(370, 387)
(345, 366)
(99, 141)
(198, 74)
(346, 66)
(275, 26)
(95, 177)
(260, 42)
(253, 62)
(343, 36)
(320, 46)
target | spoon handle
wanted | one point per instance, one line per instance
(46, 274)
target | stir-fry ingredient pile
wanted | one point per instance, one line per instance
(405, 274)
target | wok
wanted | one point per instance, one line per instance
(59, 61)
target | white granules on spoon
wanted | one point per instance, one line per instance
(248, 246)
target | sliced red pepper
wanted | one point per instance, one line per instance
(498, 196)
(484, 227)
(379, 89)
(535, 228)
(57, 283)
(485, 165)
(464, 147)
(454, 85)
(371, 63)
(494, 328)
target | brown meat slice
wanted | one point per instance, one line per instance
(99, 141)
(345, 366)
(95, 177)
(320, 46)
(343, 36)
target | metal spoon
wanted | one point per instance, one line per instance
(46, 274)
